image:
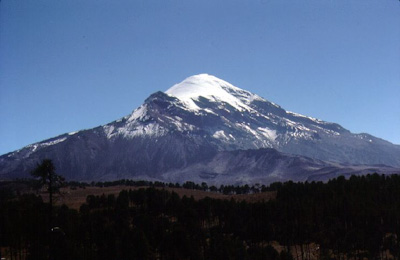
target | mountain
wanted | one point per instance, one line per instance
(190, 130)
(267, 165)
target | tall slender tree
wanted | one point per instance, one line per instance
(46, 177)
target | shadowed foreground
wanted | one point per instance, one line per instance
(357, 218)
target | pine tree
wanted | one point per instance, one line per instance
(46, 176)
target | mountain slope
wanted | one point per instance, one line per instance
(191, 123)
(266, 165)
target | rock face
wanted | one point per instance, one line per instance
(189, 131)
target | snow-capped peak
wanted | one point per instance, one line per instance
(212, 88)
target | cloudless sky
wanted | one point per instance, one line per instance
(68, 65)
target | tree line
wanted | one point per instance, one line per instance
(351, 218)
(224, 189)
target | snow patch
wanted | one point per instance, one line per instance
(268, 133)
(108, 130)
(53, 142)
(220, 134)
(35, 147)
(135, 129)
(308, 117)
(138, 114)
(210, 111)
(152, 129)
(248, 129)
(210, 87)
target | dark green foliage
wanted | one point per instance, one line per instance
(46, 176)
(359, 217)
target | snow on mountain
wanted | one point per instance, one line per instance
(236, 112)
(193, 123)
(214, 89)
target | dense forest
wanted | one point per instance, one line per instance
(355, 218)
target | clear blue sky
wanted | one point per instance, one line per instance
(68, 65)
